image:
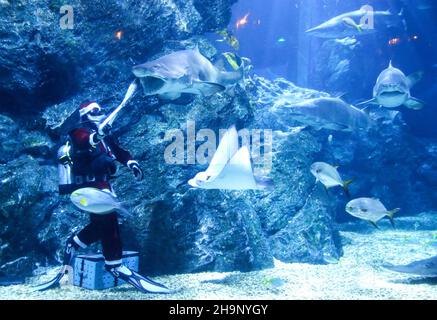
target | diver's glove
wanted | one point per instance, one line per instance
(135, 167)
(104, 131)
(100, 134)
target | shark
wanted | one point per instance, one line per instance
(352, 23)
(323, 113)
(392, 89)
(184, 72)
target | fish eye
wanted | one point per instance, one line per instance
(319, 170)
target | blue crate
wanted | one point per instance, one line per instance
(89, 270)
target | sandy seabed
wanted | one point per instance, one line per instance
(359, 274)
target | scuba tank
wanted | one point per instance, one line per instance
(65, 169)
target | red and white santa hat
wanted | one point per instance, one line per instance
(87, 107)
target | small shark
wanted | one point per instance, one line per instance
(323, 113)
(183, 72)
(352, 23)
(392, 89)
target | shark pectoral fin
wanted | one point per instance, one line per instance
(414, 78)
(414, 104)
(349, 22)
(183, 100)
(341, 126)
(170, 95)
(371, 101)
(207, 88)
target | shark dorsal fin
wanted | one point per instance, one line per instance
(390, 65)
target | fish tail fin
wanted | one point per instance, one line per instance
(373, 223)
(390, 215)
(414, 104)
(346, 187)
(124, 211)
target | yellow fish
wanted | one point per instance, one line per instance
(230, 38)
(233, 60)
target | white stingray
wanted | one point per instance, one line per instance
(230, 167)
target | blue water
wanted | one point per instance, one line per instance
(176, 226)
(270, 40)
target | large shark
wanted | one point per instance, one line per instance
(392, 89)
(353, 23)
(323, 113)
(180, 72)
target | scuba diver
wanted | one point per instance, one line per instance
(89, 158)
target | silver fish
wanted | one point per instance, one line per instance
(96, 201)
(370, 209)
(329, 176)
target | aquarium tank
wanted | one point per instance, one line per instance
(218, 150)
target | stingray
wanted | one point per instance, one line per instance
(426, 267)
(230, 168)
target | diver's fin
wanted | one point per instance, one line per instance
(140, 282)
(390, 215)
(414, 78)
(53, 283)
(346, 187)
(371, 101)
(207, 88)
(414, 104)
